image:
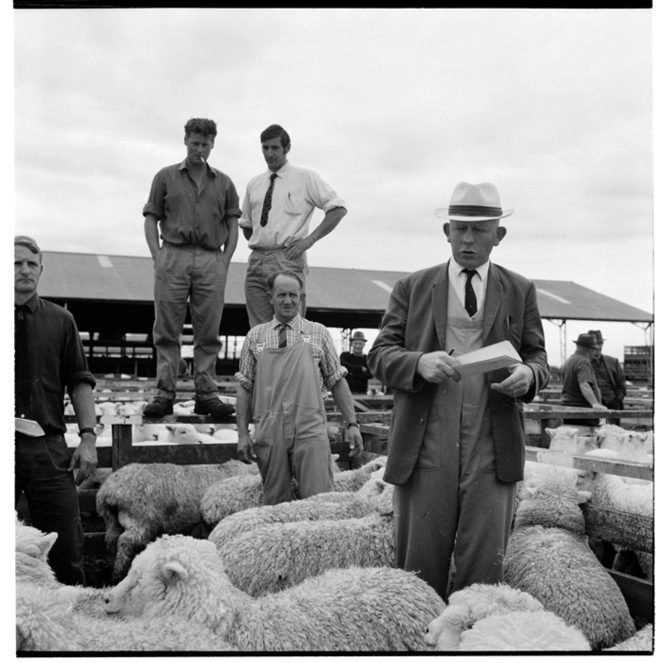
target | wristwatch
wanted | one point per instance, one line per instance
(87, 430)
(352, 423)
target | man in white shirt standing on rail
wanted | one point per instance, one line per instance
(276, 213)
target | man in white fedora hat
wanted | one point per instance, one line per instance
(355, 362)
(457, 445)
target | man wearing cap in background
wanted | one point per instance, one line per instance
(609, 375)
(49, 359)
(457, 445)
(276, 213)
(196, 207)
(355, 362)
(580, 388)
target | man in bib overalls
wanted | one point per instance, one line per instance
(456, 446)
(286, 367)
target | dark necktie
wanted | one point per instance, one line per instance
(22, 373)
(471, 299)
(283, 342)
(267, 202)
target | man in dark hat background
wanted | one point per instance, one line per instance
(355, 362)
(457, 445)
(580, 388)
(609, 375)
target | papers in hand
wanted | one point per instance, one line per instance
(490, 358)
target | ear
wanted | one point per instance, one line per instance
(45, 544)
(173, 572)
(501, 231)
(446, 230)
(287, 148)
(170, 427)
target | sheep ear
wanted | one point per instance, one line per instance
(170, 427)
(174, 572)
(45, 544)
(335, 458)
(584, 496)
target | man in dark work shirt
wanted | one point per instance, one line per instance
(355, 362)
(49, 359)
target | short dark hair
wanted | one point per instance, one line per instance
(276, 131)
(273, 277)
(24, 240)
(199, 125)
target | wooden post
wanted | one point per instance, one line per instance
(121, 451)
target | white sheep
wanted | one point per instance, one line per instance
(566, 439)
(240, 493)
(32, 547)
(523, 631)
(357, 609)
(47, 622)
(629, 445)
(548, 557)
(624, 499)
(467, 606)
(273, 557)
(140, 501)
(374, 495)
(641, 641)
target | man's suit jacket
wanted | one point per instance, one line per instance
(415, 323)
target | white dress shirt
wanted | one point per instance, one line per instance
(458, 281)
(296, 193)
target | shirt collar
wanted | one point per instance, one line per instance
(482, 270)
(282, 172)
(183, 166)
(32, 302)
(275, 323)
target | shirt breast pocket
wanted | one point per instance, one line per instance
(294, 204)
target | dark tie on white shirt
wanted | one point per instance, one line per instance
(471, 299)
(267, 202)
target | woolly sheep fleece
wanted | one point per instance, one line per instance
(46, 622)
(140, 501)
(467, 606)
(548, 557)
(523, 631)
(356, 609)
(374, 495)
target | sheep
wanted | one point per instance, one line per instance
(566, 439)
(629, 445)
(467, 606)
(45, 621)
(373, 495)
(140, 501)
(269, 558)
(356, 609)
(32, 547)
(548, 557)
(523, 631)
(240, 493)
(641, 641)
(624, 499)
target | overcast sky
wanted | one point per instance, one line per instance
(391, 107)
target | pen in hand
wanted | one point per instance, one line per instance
(451, 352)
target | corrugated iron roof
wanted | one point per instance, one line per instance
(84, 276)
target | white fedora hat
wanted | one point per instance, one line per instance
(474, 202)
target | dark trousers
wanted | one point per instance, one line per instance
(40, 471)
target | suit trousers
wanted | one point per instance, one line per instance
(41, 472)
(262, 264)
(458, 508)
(198, 275)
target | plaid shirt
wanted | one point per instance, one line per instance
(330, 371)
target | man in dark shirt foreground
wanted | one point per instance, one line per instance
(49, 359)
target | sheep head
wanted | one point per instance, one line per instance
(551, 498)
(178, 576)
